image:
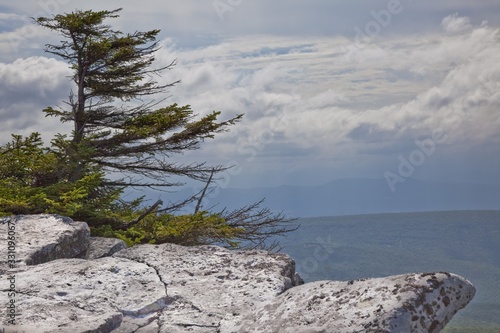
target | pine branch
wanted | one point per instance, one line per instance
(198, 204)
(142, 216)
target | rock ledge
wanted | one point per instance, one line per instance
(66, 281)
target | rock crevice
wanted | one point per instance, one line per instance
(157, 271)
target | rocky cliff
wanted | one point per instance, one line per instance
(56, 278)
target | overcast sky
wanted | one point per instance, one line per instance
(330, 89)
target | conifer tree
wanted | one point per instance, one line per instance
(110, 66)
(111, 135)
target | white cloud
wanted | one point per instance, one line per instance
(306, 97)
(26, 87)
(24, 41)
(45, 73)
(454, 23)
(11, 17)
(327, 109)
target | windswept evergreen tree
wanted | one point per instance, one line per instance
(110, 66)
(115, 133)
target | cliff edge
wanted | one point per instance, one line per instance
(56, 278)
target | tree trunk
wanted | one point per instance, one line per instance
(79, 118)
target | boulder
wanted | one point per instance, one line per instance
(415, 303)
(171, 288)
(77, 295)
(42, 238)
(100, 247)
(210, 283)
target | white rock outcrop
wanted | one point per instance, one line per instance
(170, 288)
(403, 303)
(77, 295)
(100, 247)
(210, 283)
(42, 238)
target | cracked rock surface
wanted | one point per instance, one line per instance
(403, 303)
(172, 289)
(70, 295)
(210, 283)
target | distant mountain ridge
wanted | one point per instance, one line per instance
(355, 196)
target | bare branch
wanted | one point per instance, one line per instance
(143, 215)
(200, 199)
(258, 225)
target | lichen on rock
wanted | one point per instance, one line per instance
(67, 282)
